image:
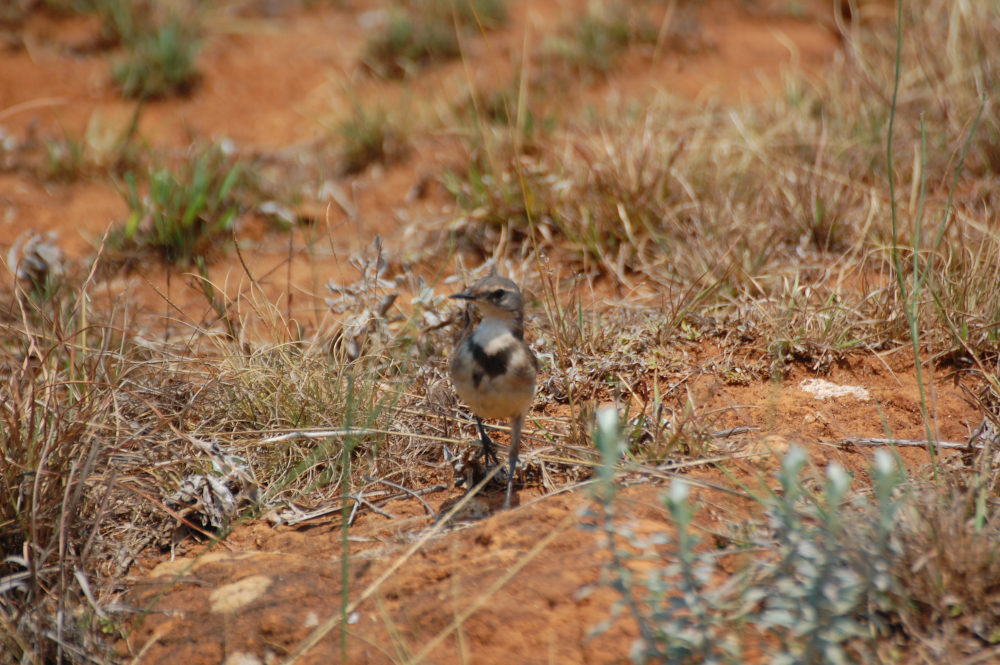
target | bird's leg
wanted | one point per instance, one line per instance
(489, 448)
(515, 444)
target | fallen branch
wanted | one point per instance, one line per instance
(415, 494)
(276, 518)
(923, 443)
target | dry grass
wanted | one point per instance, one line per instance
(951, 546)
(66, 378)
(779, 213)
(108, 437)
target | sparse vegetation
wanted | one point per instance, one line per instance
(427, 31)
(160, 60)
(670, 251)
(408, 42)
(104, 148)
(368, 137)
(596, 41)
(161, 42)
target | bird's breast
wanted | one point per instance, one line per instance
(494, 372)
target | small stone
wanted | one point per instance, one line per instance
(232, 597)
(242, 658)
(822, 389)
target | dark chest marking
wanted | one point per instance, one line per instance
(491, 365)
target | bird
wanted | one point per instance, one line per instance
(492, 368)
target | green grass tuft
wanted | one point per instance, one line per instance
(160, 62)
(596, 41)
(185, 210)
(426, 32)
(368, 137)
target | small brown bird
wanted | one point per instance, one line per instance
(492, 368)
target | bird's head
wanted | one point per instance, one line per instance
(495, 296)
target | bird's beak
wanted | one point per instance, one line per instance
(464, 295)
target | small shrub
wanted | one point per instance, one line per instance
(834, 575)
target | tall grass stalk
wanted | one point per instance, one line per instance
(911, 297)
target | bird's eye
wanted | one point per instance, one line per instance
(497, 295)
